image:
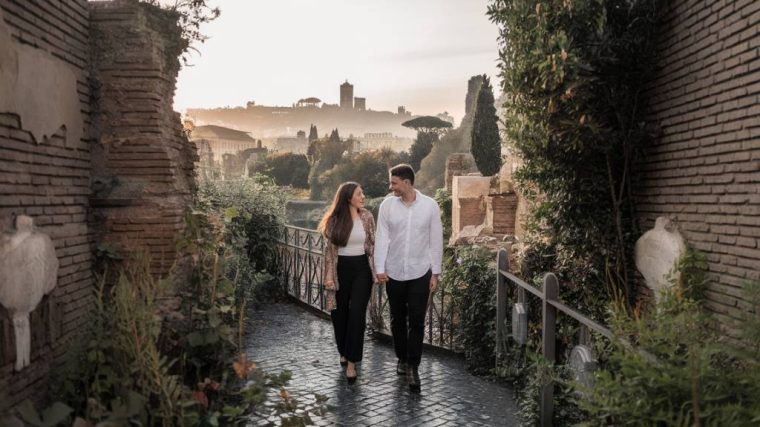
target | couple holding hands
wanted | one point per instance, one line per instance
(404, 253)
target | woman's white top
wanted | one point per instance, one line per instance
(355, 245)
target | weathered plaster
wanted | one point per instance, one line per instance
(39, 88)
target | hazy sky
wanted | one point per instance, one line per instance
(417, 53)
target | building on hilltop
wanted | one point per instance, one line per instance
(380, 140)
(271, 122)
(223, 152)
(223, 140)
(297, 145)
(360, 104)
(308, 102)
(347, 95)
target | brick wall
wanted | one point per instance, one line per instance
(504, 213)
(704, 169)
(127, 180)
(143, 163)
(458, 164)
(48, 180)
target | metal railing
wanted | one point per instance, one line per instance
(551, 306)
(301, 260)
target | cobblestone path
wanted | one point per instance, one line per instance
(285, 336)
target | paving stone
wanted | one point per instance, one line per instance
(285, 337)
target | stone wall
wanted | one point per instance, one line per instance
(704, 169)
(503, 213)
(142, 176)
(45, 169)
(467, 201)
(458, 164)
(90, 149)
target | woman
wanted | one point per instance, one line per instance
(349, 232)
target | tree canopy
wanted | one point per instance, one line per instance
(427, 124)
(286, 168)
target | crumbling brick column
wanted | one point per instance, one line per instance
(142, 160)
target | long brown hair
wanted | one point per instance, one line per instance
(337, 223)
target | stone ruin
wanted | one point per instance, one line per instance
(484, 209)
(94, 158)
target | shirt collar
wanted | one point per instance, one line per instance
(417, 197)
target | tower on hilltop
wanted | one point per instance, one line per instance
(360, 104)
(347, 95)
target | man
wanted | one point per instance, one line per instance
(408, 252)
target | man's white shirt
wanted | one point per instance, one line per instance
(409, 239)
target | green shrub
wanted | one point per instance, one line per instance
(681, 371)
(574, 73)
(470, 276)
(443, 198)
(135, 367)
(117, 372)
(254, 209)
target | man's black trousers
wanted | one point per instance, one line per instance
(408, 302)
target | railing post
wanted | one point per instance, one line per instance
(308, 271)
(288, 260)
(583, 335)
(551, 293)
(502, 263)
(297, 263)
(442, 311)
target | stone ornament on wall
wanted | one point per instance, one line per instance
(28, 271)
(656, 253)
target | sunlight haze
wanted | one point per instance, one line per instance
(416, 53)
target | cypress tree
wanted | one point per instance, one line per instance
(486, 144)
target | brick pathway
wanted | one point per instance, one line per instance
(285, 336)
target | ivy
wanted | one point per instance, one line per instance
(573, 73)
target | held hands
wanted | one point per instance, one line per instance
(433, 283)
(382, 278)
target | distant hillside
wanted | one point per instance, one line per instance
(268, 122)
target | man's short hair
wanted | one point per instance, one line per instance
(403, 171)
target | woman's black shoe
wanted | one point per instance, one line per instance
(401, 368)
